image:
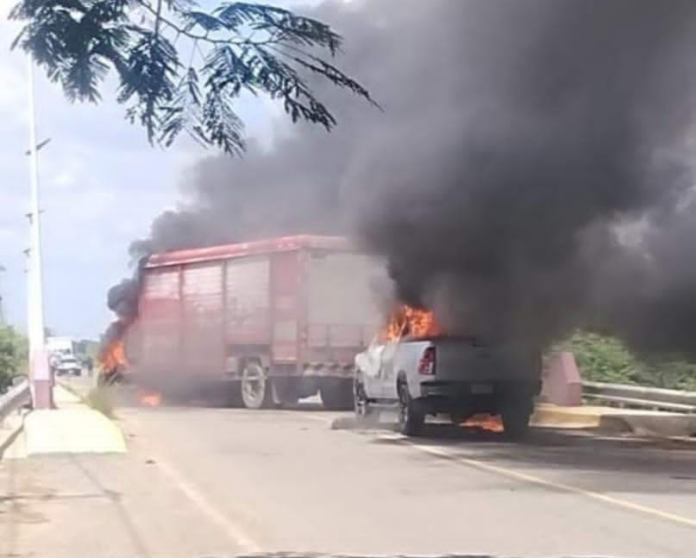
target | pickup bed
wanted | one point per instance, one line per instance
(448, 375)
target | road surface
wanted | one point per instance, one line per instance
(218, 482)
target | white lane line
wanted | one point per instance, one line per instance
(232, 530)
(532, 479)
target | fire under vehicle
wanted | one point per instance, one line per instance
(268, 321)
(418, 368)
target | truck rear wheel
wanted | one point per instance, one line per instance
(234, 394)
(257, 392)
(337, 394)
(516, 417)
(411, 415)
(285, 391)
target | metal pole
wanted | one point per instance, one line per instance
(2, 309)
(39, 370)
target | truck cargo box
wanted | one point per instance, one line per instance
(298, 309)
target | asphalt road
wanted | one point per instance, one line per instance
(291, 482)
(217, 482)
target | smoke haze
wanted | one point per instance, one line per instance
(530, 173)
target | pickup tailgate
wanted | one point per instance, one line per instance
(465, 360)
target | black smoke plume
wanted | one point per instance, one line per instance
(530, 173)
(122, 300)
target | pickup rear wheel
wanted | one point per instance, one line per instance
(411, 415)
(516, 417)
(256, 387)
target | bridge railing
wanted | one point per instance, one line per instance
(16, 397)
(640, 397)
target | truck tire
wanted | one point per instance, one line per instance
(337, 394)
(411, 415)
(516, 417)
(285, 392)
(257, 392)
(234, 395)
(364, 411)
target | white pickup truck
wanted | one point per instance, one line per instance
(448, 375)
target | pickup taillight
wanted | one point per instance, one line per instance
(426, 364)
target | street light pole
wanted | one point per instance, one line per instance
(2, 307)
(39, 370)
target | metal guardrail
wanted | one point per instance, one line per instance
(17, 396)
(641, 397)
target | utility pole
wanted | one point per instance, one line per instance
(2, 308)
(39, 369)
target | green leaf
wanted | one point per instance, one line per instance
(13, 355)
(248, 46)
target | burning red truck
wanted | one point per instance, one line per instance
(266, 321)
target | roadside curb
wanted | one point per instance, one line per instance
(667, 426)
(616, 421)
(73, 427)
(72, 430)
(546, 415)
(11, 429)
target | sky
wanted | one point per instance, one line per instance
(101, 185)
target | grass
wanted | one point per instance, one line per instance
(606, 359)
(101, 399)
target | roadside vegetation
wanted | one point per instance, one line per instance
(100, 399)
(13, 356)
(606, 359)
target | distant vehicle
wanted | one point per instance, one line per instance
(68, 365)
(438, 374)
(269, 321)
(60, 345)
(61, 352)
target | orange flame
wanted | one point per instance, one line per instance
(491, 423)
(412, 322)
(151, 399)
(113, 356)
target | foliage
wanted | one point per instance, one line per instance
(101, 399)
(13, 355)
(606, 359)
(181, 67)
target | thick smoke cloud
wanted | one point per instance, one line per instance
(530, 173)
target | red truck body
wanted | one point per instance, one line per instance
(295, 309)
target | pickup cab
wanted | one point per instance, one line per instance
(457, 376)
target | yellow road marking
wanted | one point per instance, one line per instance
(532, 479)
(246, 543)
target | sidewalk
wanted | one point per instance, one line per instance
(71, 428)
(101, 506)
(68, 489)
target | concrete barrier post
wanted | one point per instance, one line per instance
(562, 381)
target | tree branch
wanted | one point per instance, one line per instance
(200, 37)
(250, 47)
